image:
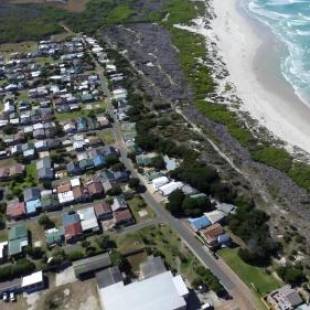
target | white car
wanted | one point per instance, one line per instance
(12, 297)
(5, 297)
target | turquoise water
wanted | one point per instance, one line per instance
(289, 20)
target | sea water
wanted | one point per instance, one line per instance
(289, 20)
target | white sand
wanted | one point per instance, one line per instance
(266, 96)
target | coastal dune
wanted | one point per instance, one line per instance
(251, 56)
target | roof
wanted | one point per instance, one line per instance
(108, 277)
(15, 209)
(152, 267)
(160, 181)
(64, 187)
(34, 278)
(286, 297)
(95, 187)
(69, 219)
(32, 193)
(18, 231)
(88, 218)
(33, 205)
(102, 208)
(122, 216)
(157, 292)
(213, 231)
(167, 189)
(91, 264)
(215, 216)
(73, 230)
(199, 222)
(226, 208)
(10, 285)
(54, 235)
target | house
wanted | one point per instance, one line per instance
(72, 227)
(215, 216)
(33, 282)
(44, 163)
(18, 239)
(212, 235)
(162, 291)
(88, 219)
(284, 298)
(103, 211)
(86, 267)
(120, 176)
(49, 201)
(13, 286)
(226, 208)
(33, 206)
(145, 160)
(199, 223)
(119, 203)
(95, 189)
(46, 174)
(15, 210)
(168, 188)
(54, 236)
(73, 168)
(32, 193)
(123, 217)
(160, 181)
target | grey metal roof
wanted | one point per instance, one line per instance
(152, 267)
(91, 264)
(108, 277)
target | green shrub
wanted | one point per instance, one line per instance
(275, 157)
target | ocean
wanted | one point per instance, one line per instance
(289, 20)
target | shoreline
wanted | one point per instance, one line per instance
(250, 53)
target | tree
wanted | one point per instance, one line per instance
(119, 260)
(105, 243)
(175, 200)
(196, 206)
(134, 183)
(158, 163)
(46, 222)
(115, 190)
(292, 274)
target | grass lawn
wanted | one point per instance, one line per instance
(161, 240)
(253, 276)
(3, 235)
(70, 115)
(137, 204)
(106, 135)
(22, 47)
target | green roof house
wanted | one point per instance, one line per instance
(54, 236)
(18, 239)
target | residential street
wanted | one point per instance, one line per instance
(241, 294)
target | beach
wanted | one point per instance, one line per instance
(250, 53)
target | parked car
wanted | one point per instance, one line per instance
(5, 297)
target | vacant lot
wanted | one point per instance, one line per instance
(254, 277)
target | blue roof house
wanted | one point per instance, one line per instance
(69, 219)
(33, 206)
(199, 223)
(99, 161)
(81, 124)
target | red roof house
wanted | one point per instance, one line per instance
(103, 211)
(15, 210)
